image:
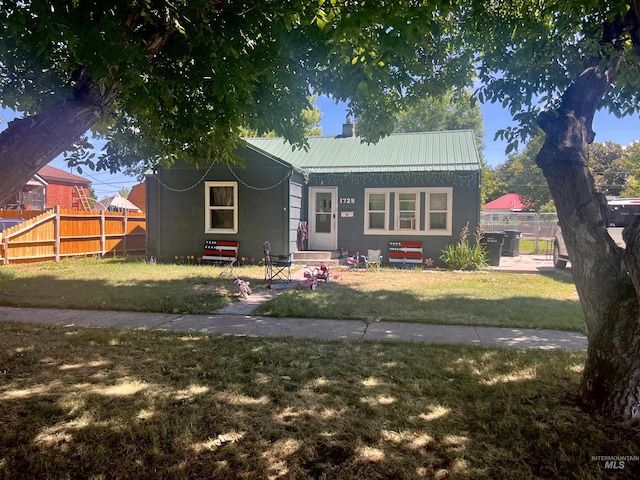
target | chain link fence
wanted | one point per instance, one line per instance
(536, 228)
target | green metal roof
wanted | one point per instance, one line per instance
(449, 151)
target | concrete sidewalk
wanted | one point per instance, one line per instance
(249, 325)
(530, 264)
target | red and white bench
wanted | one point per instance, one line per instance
(224, 252)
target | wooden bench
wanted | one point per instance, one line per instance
(224, 252)
(405, 254)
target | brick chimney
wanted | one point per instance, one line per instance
(348, 129)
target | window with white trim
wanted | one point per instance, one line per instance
(407, 211)
(377, 215)
(438, 211)
(221, 207)
(407, 215)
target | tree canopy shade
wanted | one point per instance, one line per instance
(310, 116)
(165, 79)
(159, 79)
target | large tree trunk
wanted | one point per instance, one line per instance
(607, 277)
(28, 144)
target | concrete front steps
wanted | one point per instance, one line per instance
(315, 258)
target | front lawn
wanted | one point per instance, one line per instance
(472, 298)
(105, 403)
(499, 299)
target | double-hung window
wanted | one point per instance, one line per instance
(376, 217)
(221, 207)
(407, 211)
(439, 205)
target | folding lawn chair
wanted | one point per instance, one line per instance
(373, 259)
(276, 266)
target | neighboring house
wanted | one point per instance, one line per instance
(502, 209)
(116, 203)
(340, 194)
(137, 196)
(52, 187)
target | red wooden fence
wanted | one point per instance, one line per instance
(52, 235)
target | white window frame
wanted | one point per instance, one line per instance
(428, 211)
(416, 218)
(367, 227)
(422, 218)
(207, 208)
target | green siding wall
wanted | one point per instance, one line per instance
(176, 208)
(272, 200)
(351, 236)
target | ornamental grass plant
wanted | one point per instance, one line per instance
(465, 255)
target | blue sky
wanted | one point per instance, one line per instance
(606, 126)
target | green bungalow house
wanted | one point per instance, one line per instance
(340, 194)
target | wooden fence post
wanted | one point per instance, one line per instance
(56, 233)
(124, 232)
(103, 234)
(5, 241)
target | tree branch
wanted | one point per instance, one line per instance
(50, 133)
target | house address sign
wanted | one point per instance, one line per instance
(349, 200)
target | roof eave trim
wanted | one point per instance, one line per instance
(270, 156)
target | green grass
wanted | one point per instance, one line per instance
(105, 403)
(485, 298)
(528, 246)
(120, 284)
(498, 299)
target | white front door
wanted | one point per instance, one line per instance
(323, 218)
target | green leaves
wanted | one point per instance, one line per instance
(363, 88)
(192, 73)
(521, 175)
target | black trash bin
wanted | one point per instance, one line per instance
(492, 241)
(511, 245)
